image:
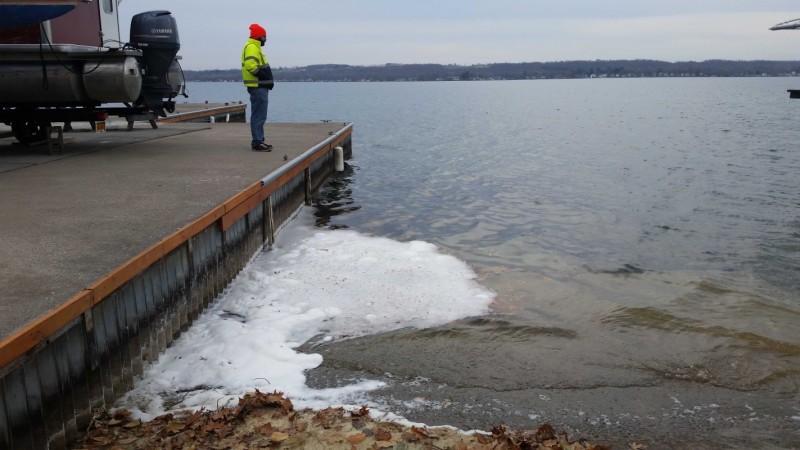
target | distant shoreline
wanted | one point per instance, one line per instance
(637, 68)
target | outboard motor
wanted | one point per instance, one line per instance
(155, 33)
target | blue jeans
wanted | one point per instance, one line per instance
(259, 100)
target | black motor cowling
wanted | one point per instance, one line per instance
(155, 33)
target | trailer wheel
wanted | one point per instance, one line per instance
(29, 131)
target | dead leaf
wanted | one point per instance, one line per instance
(636, 446)
(327, 417)
(420, 431)
(278, 437)
(265, 429)
(218, 427)
(101, 440)
(127, 441)
(411, 437)
(357, 438)
(545, 432)
(383, 435)
(132, 424)
(260, 400)
(335, 438)
(176, 427)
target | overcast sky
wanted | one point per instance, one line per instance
(373, 32)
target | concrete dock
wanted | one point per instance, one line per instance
(70, 218)
(115, 238)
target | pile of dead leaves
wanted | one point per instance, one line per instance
(269, 421)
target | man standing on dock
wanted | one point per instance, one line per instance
(257, 77)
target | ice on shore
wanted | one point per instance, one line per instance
(315, 284)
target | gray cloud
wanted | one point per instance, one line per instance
(363, 32)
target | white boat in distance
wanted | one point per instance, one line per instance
(788, 25)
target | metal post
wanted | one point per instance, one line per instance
(307, 173)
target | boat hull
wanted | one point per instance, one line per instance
(67, 75)
(17, 14)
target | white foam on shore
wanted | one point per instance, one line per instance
(325, 284)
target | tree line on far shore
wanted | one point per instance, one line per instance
(516, 71)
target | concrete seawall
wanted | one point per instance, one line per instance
(113, 248)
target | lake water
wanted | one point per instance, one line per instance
(642, 237)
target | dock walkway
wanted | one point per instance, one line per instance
(115, 237)
(69, 219)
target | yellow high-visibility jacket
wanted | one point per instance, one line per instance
(255, 67)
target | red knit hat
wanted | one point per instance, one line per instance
(257, 31)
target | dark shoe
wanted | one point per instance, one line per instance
(262, 147)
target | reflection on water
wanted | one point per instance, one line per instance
(335, 198)
(648, 340)
(641, 235)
